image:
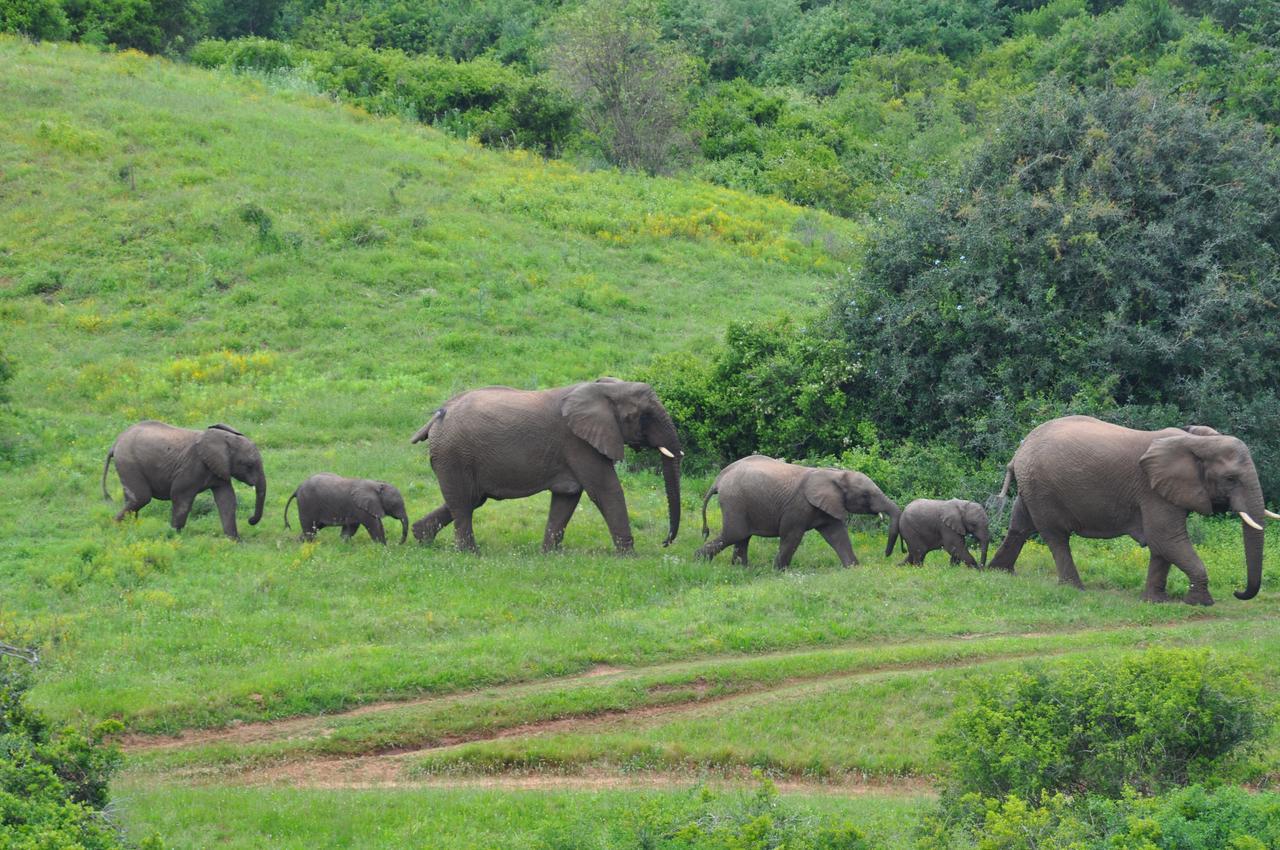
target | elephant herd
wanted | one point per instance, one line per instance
(1075, 475)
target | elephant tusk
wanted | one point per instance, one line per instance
(1271, 515)
(666, 451)
(1249, 521)
(880, 514)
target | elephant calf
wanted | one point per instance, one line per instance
(159, 461)
(326, 499)
(929, 524)
(765, 497)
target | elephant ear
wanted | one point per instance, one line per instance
(975, 517)
(1174, 471)
(590, 414)
(1201, 430)
(214, 449)
(824, 492)
(367, 500)
(221, 427)
(953, 518)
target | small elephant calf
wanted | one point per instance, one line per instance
(326, 499)
(764, 497)
(929, 524)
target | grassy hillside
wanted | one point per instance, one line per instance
(197, 248)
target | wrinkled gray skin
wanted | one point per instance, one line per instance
(929, 524)
(159, 461)
(503, 443)
(1079, 475)
(764, 497)
(326, 500)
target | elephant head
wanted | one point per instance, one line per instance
(840, 492)
(968, 518)
(1208, 474)
(610, 414)
(229, 454)
(385, 500)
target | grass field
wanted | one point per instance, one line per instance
(200, 248)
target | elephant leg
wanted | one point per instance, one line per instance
(954, 545)
(426, 529)
(136, 497)
(711, 548)
(608, 497)
(740, 552)
(1184, 557)
(224, 497)
(1059, 544)
(1157, 579)
(787, 547)
(373, 525)
(463, 535)
(1020, 529)
(837, 537)
(349, 530)
(181, 507)
(562, 507)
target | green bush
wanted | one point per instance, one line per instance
(1110, 253)
(1186, 819)
(258, 54)
(53, 785)
(209, 53)
(42, 19)
(153, 26)
(1149, 721)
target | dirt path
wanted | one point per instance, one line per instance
(316, 726)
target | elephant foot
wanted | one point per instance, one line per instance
(425, 532)
(1076, 583)
(1198, 596)
(1157, 596)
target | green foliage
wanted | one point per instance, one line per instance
(1148, 721)
(53, 785)
(235, 18)
(153, 26)
(40, 19)
(1110, 254)
(1186, 819)
(703, 819)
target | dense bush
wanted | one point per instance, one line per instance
(1112, 253)
(42, 19)
(1187, 819)
(1149, 721)
(153, 26)
(53, 785)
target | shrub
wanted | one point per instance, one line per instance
(1149, 721)
(258, 54)
(53, 785)
(153, 26)
(209, 53)
(1111, 253)
(42, 19)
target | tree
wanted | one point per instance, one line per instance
(631, 84)
(1109, 252)
(234, 18)
(42, 19)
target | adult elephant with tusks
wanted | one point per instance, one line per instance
(1079, 475)
(504, 443)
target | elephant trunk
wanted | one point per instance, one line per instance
(1253, 540)
(668, 443)
(260, 502)
(404, 527)
(985, 540)
(893, 535)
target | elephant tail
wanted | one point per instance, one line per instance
(1008, 479)
(111, 452)
(293, 496)
(424, 432)
(707, 498)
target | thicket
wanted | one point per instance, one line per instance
(53, 783)
(1077, 755)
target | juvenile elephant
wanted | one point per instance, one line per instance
(929, 524)
(764, 497)
(503, 443)
(326, 499)
(1079, 475)
(159, 461)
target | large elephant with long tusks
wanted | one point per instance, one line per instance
(504, 443)
(159, 461)
(1079, 475)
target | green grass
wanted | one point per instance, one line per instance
(198, 248)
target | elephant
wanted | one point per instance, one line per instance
(504, 443)
(1079, 475)
(326, 499)
(159, 461)
(765, 497)
(929, 524)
